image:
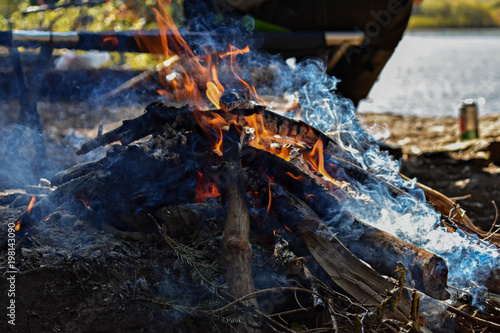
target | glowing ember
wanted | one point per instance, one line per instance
(18, 225)
(30, 206)
(205, 189)
(299, 177)
(270, 196)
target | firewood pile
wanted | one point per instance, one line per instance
(228, 220)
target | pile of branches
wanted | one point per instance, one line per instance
(340, 284)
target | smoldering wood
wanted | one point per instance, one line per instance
(158, 116)
(54, 199)
(105, 187)
(316, 235)
(355, 277)
(419, 261)
(378, 248)
(186, 223)
(157, 119)
(74, 172)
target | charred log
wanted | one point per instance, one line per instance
(105, 189)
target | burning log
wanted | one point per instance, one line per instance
(355, 277)
(236, 251)
(54, 199)
(378, 248)
(426, 270)
(155, 117)
(158, 114)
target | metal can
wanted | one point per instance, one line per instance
(468, 120)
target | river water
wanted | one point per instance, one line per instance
(432, 71)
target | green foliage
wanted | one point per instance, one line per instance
(111, 15)
(453, 13)
(117, 15)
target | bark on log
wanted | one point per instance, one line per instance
(378, 248)
(352, 275)
(236, 251)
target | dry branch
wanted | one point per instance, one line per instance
(152, 121)
(236, 251)
(450, 208)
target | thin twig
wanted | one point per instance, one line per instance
(493, 233)
(283, 313)
(461, 198)
(335, 325)
(263, 291)
(496, 218)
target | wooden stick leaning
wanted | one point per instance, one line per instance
(236, 251)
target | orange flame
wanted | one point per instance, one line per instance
(214, 88)
(110, 41)
(210, 123)
(205, 189)
(299, 177)
(194, 79)
(28, 211)
(316, 161)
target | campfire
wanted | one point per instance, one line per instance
(251, 202)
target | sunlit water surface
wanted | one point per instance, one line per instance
(432, 71)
